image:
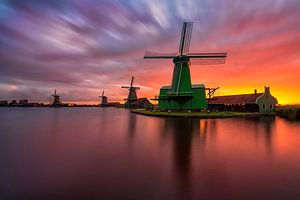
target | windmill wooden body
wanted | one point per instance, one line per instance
(182, 95)
(56, 99)
(132, 96)
(103, 98)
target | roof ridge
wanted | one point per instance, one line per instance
(240, 94)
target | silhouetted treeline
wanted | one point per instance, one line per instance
(289, 112)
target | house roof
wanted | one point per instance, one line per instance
(235, 99)
(140, 101)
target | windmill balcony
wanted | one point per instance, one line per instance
(179, 94)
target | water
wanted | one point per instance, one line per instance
(109, 153)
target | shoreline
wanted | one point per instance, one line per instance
(61, 106)
(201, 115)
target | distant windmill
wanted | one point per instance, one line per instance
(182, 95)
(55, 99)
(132, 96)
(103, 100)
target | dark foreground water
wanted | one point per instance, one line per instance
(108, 153)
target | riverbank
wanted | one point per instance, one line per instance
(59, 106)
(224, 114)
(289, 112)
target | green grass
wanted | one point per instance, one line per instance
(193, 114)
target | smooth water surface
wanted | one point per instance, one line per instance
(109, 153)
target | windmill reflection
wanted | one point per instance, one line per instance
(131, 127)
(183, 131)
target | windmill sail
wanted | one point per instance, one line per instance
(207, 58)
(131, 83)
(203, 55)
(207, 61)
(186, 35)
(151, 54)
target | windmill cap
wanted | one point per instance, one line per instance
(182, 58)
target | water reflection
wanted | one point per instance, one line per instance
(263, 128)
(208, 131)
(107, 153)
(202, 145)
(131, 129)
(182, 132)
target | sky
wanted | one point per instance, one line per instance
(81, 47)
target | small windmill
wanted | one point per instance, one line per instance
(132, 96)
(55, 99)
(182, 95)
(103, 100)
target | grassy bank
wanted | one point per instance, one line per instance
(289, 112)
(194, 114)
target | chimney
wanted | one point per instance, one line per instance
(255, 91)
(267, 90)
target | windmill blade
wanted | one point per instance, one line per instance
(208, 61)
(125, 87)
(103, 93)
(131, 83)
(151, 54)
(206, 55)
(186, 35)
(207, 58)
(136, 88)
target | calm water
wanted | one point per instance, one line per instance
(108, 153)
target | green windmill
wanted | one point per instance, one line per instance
(182, 95)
